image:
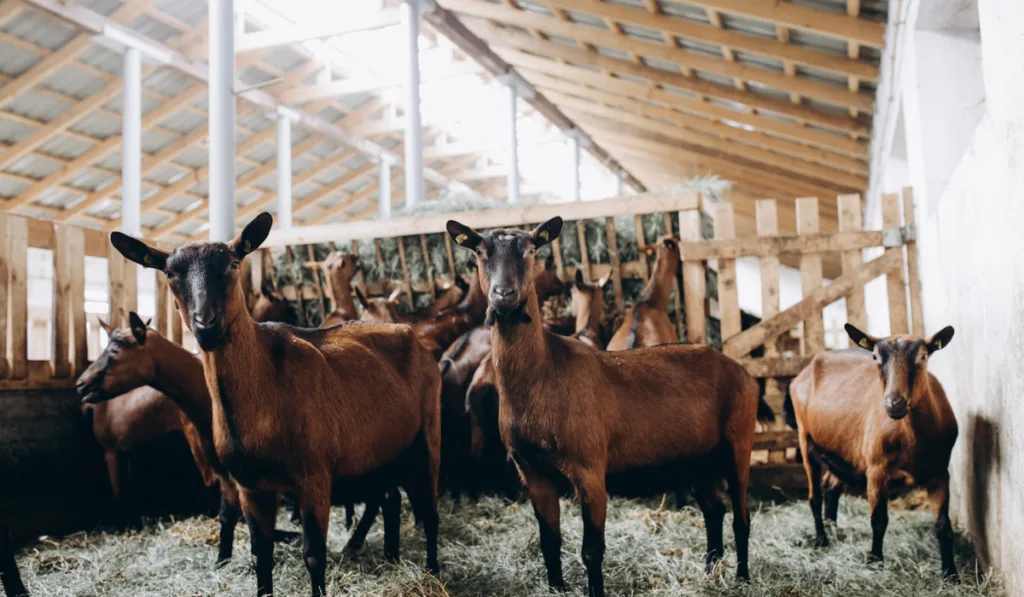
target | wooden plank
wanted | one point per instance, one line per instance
(728, 296)
(115, 288)
(17, 267)
(742, 344)
(895, 282)
(451, 255)
(484, 218)
(163, 315)
(40, 236)
(319, 288)
(76, 298)
(810, 274)
(556, 252)
(581, 234)
(61, 318)
(5, 255)
(296, 271)
(641, 240)
(916, 310)
(768, 226)
(130, 282)
(851, 219)
(613, 258)
(694, 282)
(177, 333)
(429, 266)
(801, 244)
(406, 278)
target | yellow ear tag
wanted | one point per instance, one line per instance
(146, 260)
(140, 331)
(461, 238)
(864, 343)
(650, 252)
(247, 247)
(938, 345)
(543, 235)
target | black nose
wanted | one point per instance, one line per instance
(503, 291)
(204, 318)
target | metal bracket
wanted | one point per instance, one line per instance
(575, 133)
(897, 237)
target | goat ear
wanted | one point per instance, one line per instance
(939, 340)
(361, 298)
(579, 279)
(135, 250)
(253, 235)
(547, 232)
(394, 295)
(137, 326)
(603, 281)
(860, 338)
(671, 244)
(463, 235)
(106, 326)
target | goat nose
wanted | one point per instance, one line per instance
(503, 290)
(204, 317)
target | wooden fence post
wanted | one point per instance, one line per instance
(851, 219)
(406, 278)
(17, 264)
(641, 240)
(61, 321)
(115, 287)
(581, 233)
(768, 225)
(76, 298)
(694, 282)
(5, 253)
(728, 297)
(613, 258)
(895, 281)
(810, 275)
(916, 310)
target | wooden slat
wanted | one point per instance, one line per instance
(895, 282)
(581, 234)
(406, 278)
(5, 255)
(916, 310)
(613, 258)
(61, 319)
(321, 295)
(429, 268)
(556, 252)
(774, 367)
(450, 253)
(116, 265)
(768, 225)
(801, 244)
(641, 240)
(76, 298)
(810, 274)
(163, 304)
(851, 219)
(296, 271)
(742, 344)
(728, 297)
(694, 283)
(130, 282)
(17, 267)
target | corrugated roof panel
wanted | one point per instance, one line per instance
(35, 166)
(826, 107)
(178, 202)
(749, 26)
(201, 188)
(100, 57)
(642, 33)
(183, 122)
(389, 142)
(263, 153)
(164, 175)
(534, 7)
(631, 78)
(328, 176)
(685, 11)
(37, 106)
(630, 3)
(167, 81)
(299, 134)
(563, 41)
(767, 91)
(108, 209)
(191, 12)
(99, 126)
(354, 162)
(194, 157)
(254, 75)
(104, 7)
(64, 146)
(759, 61)
(283, 59)
(62, 198)
(14, 60)
(662, 64)
(700, 48)
(153, 29)
(154, 140)
(149, 103)
(73, 82)
(619, 54)
(90, 180)
(10, 187)
(762, 112)
(357, 185)
(815, 41)
(822, 76)
(150, 219)
(324, 149)
(112, 161)
(248, 197)
(304, 190)
(41, 29)
(329, 114)
(586, 19)
(356, 100)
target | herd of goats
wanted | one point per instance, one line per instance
(483, 393)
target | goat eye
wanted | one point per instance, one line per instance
(874, 357)
(234, 265)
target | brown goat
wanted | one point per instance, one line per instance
(647, 322)
(10, 576)
(299, 409)
(341, 268)
(875, 416)
(271, 306)
(139, 356)
(458, 364)
(439, 333)
(639, 422)
(450, 297)
(380, 310)
(588, 309)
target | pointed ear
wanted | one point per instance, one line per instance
(939, 340)
(860, 338)
(547, 232)
(394, 295)
(579, 279)
(361, 298)
(253, 235)
(138, 328)
(104, 325)
(135, 250)
(463, 235)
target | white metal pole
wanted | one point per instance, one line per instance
(513, 144)
(384, 188)
(410, 15)
(131, 144)
(618, 183)
(222, 119)
(575, 144)
(284, 171)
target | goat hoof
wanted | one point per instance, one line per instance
(221, 562)
(874, 558)
(821, 541)
(951, 576)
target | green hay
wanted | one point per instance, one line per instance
(492, 548)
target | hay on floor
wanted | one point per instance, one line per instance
(491, 548)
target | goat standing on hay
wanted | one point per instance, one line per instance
(641, 421)
(297, 409)
(882, 421)
(647, 322)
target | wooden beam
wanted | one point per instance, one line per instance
(825, 92)
(308, 93)
(617, 13)
(288, 35)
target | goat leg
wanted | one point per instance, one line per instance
(261, 514)
(9, 574)
(938, 497)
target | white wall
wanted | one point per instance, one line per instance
(962, 99)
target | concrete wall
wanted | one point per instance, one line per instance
(953, 128)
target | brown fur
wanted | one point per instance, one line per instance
(647, 322)
(877, 417)
(341, 268)
(297, 409)
(439, 333)
(271, 306)
(448, 299)
(572, 415)
(458, 364)
(588, 309)
(380, 310)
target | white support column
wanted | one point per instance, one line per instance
(131, 144)
(222, 120)
(619, 176)
(384, 188)
(577, 140)
(284, 170)
(513, 144)
(411, 13)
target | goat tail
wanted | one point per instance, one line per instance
(765, 414)
(787, 409)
